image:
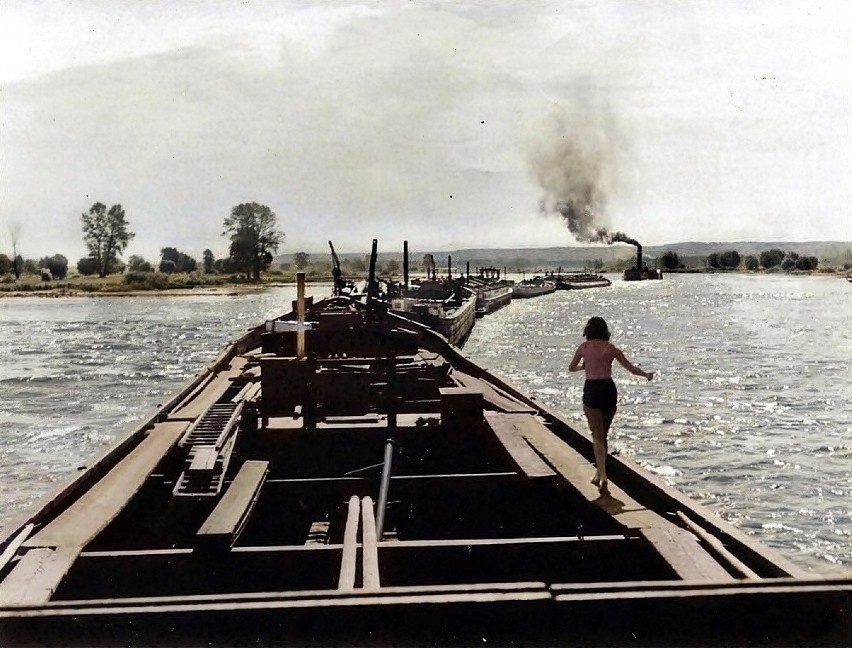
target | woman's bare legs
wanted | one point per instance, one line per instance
(599, 423)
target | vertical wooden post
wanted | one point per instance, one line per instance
(467, 275)
(405, 264)
(300, 314)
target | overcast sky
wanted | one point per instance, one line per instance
(449, 124)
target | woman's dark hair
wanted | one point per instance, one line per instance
(596, 329)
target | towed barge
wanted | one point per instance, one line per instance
(346, 475)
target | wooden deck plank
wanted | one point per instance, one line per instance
(369, 546)
(678, 547)
(204, 458)
(490, 393)
(36, 576)
(228, 518)
(99, 506)
(684, 554)
(215, 389)
(348, 562)
(510, 435)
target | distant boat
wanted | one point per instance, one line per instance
(444, 305)
(492, 292)
(578, 280)
(535, 287)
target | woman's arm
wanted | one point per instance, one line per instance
(636, 371)
(577, 361)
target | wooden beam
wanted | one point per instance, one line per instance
(369, 546)
(509, 432)
(222, 527)
(37, 576)
(350, 546)
(201, 401)
(676, 546)
(97, 507)
(491, 394)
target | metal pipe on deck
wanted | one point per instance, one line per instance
(390, 444)
(300, 314)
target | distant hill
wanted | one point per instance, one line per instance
(578, 257)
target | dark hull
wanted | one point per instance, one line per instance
(293, 520)
(580, 281)
(527, 291)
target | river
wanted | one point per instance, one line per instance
(748, 411)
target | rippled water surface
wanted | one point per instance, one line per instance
(748, 411)
(749, 407)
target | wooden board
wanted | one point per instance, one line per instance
(215, 389)
(348, 561)
(509, 431)
(36, 576)
(224, 524)
(97, 507)
(683, 552)
(369, 546)
(679, 548)
(502, 402)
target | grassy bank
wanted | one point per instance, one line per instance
(131, 283)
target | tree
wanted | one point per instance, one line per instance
(209, 260)
(392, 267)
(670, 260)
(87, 266)
(253, 229)
(771, 258)
(167, 266)
(729, 259)
(137, 264)
(5, 264)
(301, 259)
(182, 262)
(713, 260)
(57, 266)
(751, 262)
(106, 235)
(807, 263)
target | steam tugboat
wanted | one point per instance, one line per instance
(641, 272)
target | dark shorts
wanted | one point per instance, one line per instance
(600, 394)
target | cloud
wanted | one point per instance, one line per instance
(417, 120)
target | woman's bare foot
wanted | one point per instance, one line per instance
(596, 480)
(603, 487)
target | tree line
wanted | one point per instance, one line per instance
(731, 259)
(252, 229)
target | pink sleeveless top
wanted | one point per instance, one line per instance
(597, 358)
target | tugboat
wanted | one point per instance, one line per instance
(641, 272)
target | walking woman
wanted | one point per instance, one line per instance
(600, 397)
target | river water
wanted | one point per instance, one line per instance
(748, 411)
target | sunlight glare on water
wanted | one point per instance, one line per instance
(748, 410)
(747, 413)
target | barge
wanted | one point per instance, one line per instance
(492, 293)
(535, 287)
(344, 475)
(578, 280)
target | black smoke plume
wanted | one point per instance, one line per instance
(575, 165)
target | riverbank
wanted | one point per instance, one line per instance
(213, 291)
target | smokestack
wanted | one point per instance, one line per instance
(449, 267)
(405, 264)
(638, 257)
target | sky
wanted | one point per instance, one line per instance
(447, 124)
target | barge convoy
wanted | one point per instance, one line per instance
(343, 474)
